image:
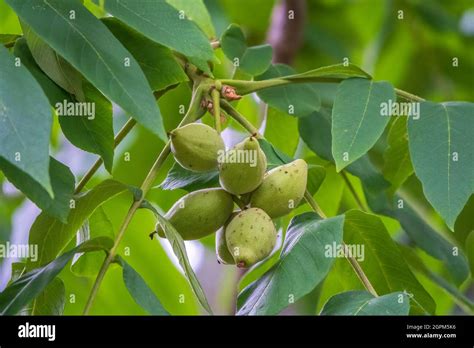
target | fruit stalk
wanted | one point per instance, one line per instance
(308, 197)
(216, 95)
(193, 113)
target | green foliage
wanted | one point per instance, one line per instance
(252, 60)
(17, 147)
(448, 179)
(363, 303)
(399, 186)
(302, 265)
(357, 121)
(26, 288)
(98, 55)
(140, 291)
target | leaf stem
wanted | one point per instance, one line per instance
(193, 113)
(307, 195)
(351, 188)
(360, 272)
(241, 119)
(216, 107)
(408, 96)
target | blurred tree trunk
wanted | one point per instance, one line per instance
(286, 32)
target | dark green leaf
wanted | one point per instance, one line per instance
(382, 261)
(157, 62)
(92, 133)
(197, 12)
(181, 178)
(397, 164)
(140, 291)
(161, 23)
(252, 60)
(26, 122)
(63, 187)
(316, 175)
(179, 250)
(51, 301)
(52, 90)
(301, 267)
(417, 265)
(52, 236)
(26, 288)
(357, 121)
(430, 240)
(88, 45)
(363, 303)
(274, 156)
(442, 153)
(293, 99)
(53, 65)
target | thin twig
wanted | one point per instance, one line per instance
(353, 191)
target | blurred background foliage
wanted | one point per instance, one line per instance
(413, 49)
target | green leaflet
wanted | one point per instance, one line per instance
(161, 23)
(26, 122)
(301, 267)
(383, 262)
(92, 133)
(51, 89)
(397, 164)
(140, 291)
(26, 288)
(179, 177)
(442, 153)
(197, 12)
(52, 299)
(53, 65)
(293, 99)
(52, 236)
(363, 303)
(63, 188)
(417, 264)
(252, 60)
(88, 46)
(157, 62)
(357, 122)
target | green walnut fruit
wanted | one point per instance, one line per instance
(282, 189)
(199, 213)
(250, 236)
(196, 147)
(222, 251)
(242, 168)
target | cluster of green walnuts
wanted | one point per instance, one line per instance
(248, 235)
